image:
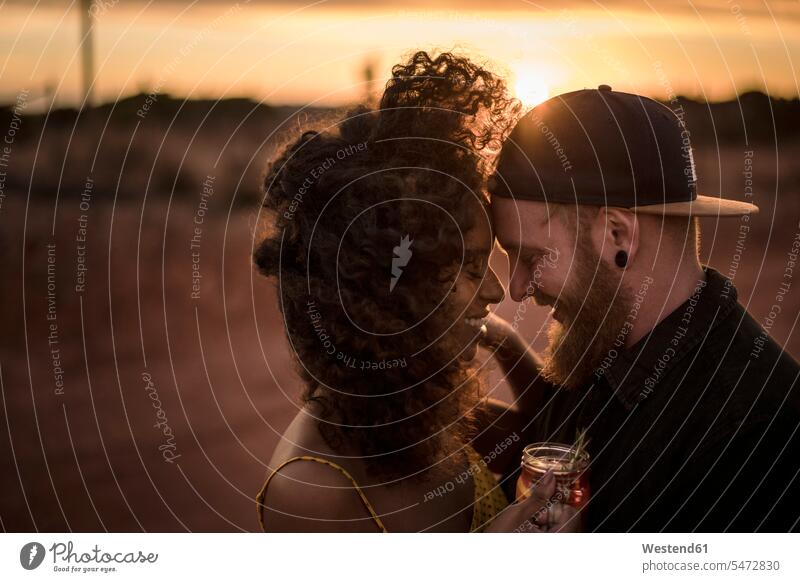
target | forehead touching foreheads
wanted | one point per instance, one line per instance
(517, 223)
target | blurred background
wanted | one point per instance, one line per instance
(144, 373)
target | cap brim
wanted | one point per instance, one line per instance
(702, 206)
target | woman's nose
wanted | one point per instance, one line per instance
(492, 289)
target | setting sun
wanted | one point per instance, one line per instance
(530, 88)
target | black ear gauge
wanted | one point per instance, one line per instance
(621, 259)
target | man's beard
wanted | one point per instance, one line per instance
(593, 320)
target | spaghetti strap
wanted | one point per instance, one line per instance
(262, 494)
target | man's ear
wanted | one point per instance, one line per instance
(615, 230)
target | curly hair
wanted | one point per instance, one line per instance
(338, 203)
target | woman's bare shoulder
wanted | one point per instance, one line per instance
(301, 437)
(305, 495)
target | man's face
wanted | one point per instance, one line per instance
(557, 264)
(540, 247)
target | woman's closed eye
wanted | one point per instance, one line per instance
(476, 264)
(474, 269)
(477, 269)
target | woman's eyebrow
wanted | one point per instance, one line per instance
(475, 255)
(471, 255)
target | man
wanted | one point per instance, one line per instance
(691, 410)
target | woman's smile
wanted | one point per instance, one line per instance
(478, 323)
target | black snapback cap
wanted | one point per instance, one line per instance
(606, 148)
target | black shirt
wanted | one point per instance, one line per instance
(694, 428)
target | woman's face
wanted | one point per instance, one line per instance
(476, 287)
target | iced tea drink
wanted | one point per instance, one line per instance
(570, 468)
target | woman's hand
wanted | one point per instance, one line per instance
(538, 513)
(500, 335)
(520, 364)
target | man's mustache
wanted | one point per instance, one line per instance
(543, 299)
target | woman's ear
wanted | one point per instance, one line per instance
(618, 236)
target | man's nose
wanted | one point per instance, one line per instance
(519, 284)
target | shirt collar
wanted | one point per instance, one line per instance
(641, 369)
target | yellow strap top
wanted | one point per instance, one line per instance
(489, 497)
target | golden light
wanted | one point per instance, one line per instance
(530, 88)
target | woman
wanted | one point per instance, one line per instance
(378, 238)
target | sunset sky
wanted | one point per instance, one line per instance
(299, 52)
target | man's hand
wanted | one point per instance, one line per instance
(538, 513)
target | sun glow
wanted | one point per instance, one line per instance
(530, 87)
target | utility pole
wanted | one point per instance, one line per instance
(368, 74)
(87, 51)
